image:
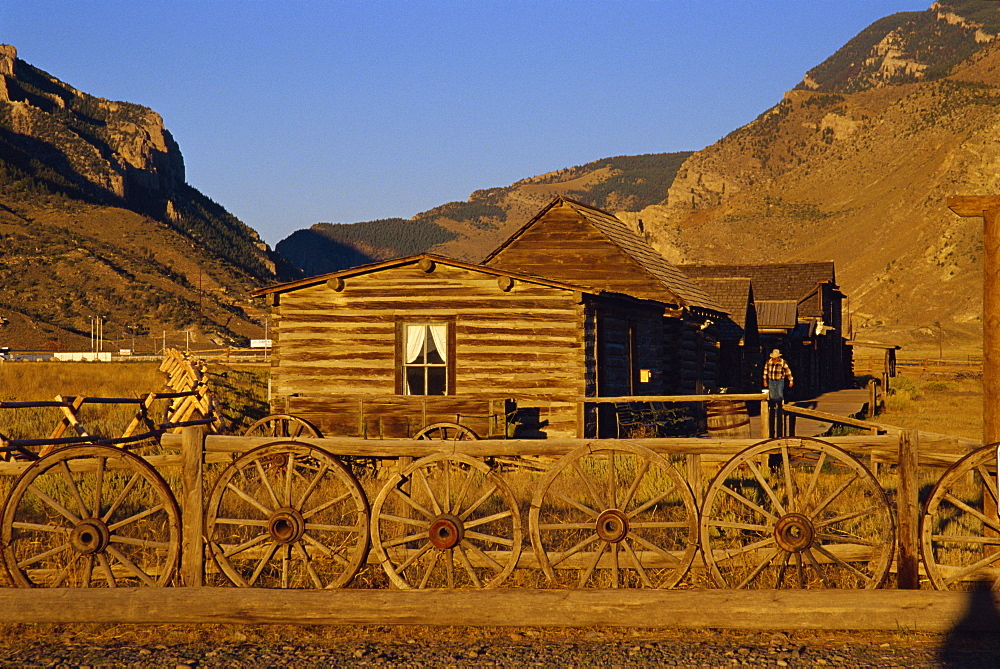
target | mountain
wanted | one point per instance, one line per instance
(855, 165)
(468, 230)
(852, 165)
(97, 220)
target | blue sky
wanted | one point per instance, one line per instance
(290, 112)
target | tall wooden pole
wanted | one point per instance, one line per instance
(988, 207)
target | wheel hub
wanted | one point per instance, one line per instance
(90, 536)
(794, 532)
(612, 526)
(446, 531)
(286, 525)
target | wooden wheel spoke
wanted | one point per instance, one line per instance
(236, 550)
(743, 500)
(815, 565)
(989, 483)
(643, 576)
(430, 569)
(989, 522)
(814, 479)
(286, 566)
(592, 565)
(965, 539)
(326, 550)
(572, 502)
(832, 496)
(401, 519)
(59, 508)
(634, 486)
(960, 574)
(654, 501)
(730, 553)
(587, 483)
(88, 571)
(470, 474)
(612, 484)
(575, 549)
(109, 574)
(139, 516)
(312, 485)
(325, 505)
(449, 566)
(142, 543)
(615, 574)
(307, 563)
(846, 516)
(490, 539)
(768, 490)
(419, 473)
(37, 527)
(413, 503)
(488, 519)
(398, 541)
(846, 565)
(482, 555)
(738, 526)
(478, 503)
(266, 482)
(789, 484)
(289, 476)
(447, 486)
(638, 538)
(781, 571)
(44, 555)
(799, 571)
(61, 575)
(464, 560)
(74, 491)
(130, 566)
(759, 569)
(98, 485)
(262, 563)
(122, 496)
(249, 499)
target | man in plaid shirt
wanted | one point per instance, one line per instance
(776, 372)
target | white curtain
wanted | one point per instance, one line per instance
(415, 335)
(439, 333)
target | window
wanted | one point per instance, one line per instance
(425, 358)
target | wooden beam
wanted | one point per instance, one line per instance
(831, 417)
(192, 505)
(973, 205)
(908, 512)
(892, 610)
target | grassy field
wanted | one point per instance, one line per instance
(950, 404)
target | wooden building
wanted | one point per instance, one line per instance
(798, 310)
(574, 305)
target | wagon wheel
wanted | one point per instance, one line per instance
(446, 521)
(796, 513)
(446, 432)
(619, 517)
(90, 516)
(959, 530)
(282, 425)
(287, 515)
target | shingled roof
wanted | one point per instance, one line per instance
(785, 281)
(551, 245)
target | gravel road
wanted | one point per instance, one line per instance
(286, 646)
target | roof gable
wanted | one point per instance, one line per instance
(573, 242)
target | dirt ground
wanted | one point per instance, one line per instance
(314, 646)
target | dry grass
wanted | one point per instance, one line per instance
(943, 405)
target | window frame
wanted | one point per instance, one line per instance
(400, 357)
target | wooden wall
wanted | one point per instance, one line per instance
(527, 342)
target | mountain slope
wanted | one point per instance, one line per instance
(468, 230)
(96, 219)
(855, 166)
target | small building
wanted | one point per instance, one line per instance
(798, 309)
(573, 305)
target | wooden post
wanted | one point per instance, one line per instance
(988, 207)
(908, 512)
(765, 419)
(871, 399)
(192, 505)
(694, 476)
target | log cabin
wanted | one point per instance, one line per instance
(573, 305)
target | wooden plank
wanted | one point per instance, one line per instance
(192, 505)
(973, 205)
(908, 512)
(891, 610)
(831, 418)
